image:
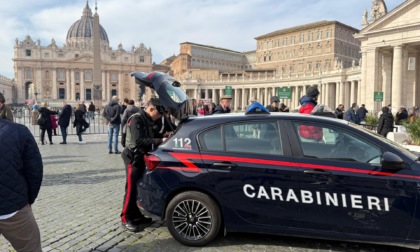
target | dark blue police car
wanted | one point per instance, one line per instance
(270, 173)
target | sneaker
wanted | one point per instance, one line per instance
(51, 143)
(110, 152)
(81, 142)
(117, 152)
(63, 143)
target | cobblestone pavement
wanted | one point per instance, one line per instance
(80, 201)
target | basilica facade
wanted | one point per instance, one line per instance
(56, 73)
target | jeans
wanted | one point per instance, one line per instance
(64, 133)
(113, 131)
(91, 114)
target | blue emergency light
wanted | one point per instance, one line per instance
(256, 108)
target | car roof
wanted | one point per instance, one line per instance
(274, 115)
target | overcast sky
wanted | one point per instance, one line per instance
(164, 24)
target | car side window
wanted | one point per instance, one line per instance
(212, 139)
(260, 137)
(333, 143)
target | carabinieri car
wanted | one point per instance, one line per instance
(263, 173)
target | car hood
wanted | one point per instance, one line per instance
(171, 95)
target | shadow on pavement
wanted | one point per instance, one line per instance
(84, 177)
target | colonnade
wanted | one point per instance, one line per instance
(331, 93)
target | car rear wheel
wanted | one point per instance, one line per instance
(193, 218)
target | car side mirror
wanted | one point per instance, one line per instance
(392, 161)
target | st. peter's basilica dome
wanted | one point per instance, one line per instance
(82, 29)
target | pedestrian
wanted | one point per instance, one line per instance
(361, 113)
(129, 111)
(112, 115)
(351, 116)
(34, 114)
(21, 168)
(205, 110)
(212, 107)
(79, 121)
(142, 136)
(284, 108)
(308, 103)
(274, 104)
(224, 105)
(54, 125)
(5, 111)
(91, 111)
(386, 122)
(83, 107)
(339, 111)
(401, 116)
(195, 106)
(124, 105)
(64, 120)
(47, 125)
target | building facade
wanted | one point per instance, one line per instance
(390, 55)
(386, 61)
(196, 62)
(7, 88)
(320, 46)
(57, 73)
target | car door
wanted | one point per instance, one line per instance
(345, 189)
(251, 166)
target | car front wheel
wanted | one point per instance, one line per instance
(193, 218)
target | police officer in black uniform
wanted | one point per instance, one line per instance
(143, 135)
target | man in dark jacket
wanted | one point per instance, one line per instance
(21, 168)
(361, 113)
(224, 105)
(339, 111)
(142, 136)
(386, 122)
(64, 120)
(112, 114)
(401, 115)
(274, 104)
(351, 116)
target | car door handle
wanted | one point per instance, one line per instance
(317, 172)
(224, 165)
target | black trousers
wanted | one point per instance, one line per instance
(130, 210)
(49, 132)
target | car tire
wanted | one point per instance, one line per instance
(193, 218)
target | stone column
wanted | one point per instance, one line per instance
(235, 100)
(109, 87)
(105, 88)
(352, 92)
(387, 78)
(68, 85)
(54, 85)
(363, 77)
(347, 101)
(82, 85)
(266, 99)
(337, 94)
(243, 98)
(72, 86)
(213, 95)
(258, 94)
(397, 79)
(359, 92)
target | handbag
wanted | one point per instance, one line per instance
(40, 120)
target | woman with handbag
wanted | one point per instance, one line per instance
(47, 124)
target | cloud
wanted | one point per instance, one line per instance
(164, 24)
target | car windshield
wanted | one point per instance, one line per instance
(396, 145)
(174, 91)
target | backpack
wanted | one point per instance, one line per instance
(40, 120)
(132, 131)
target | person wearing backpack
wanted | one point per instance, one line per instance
(142, 136)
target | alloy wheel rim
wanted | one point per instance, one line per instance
(192, 219)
